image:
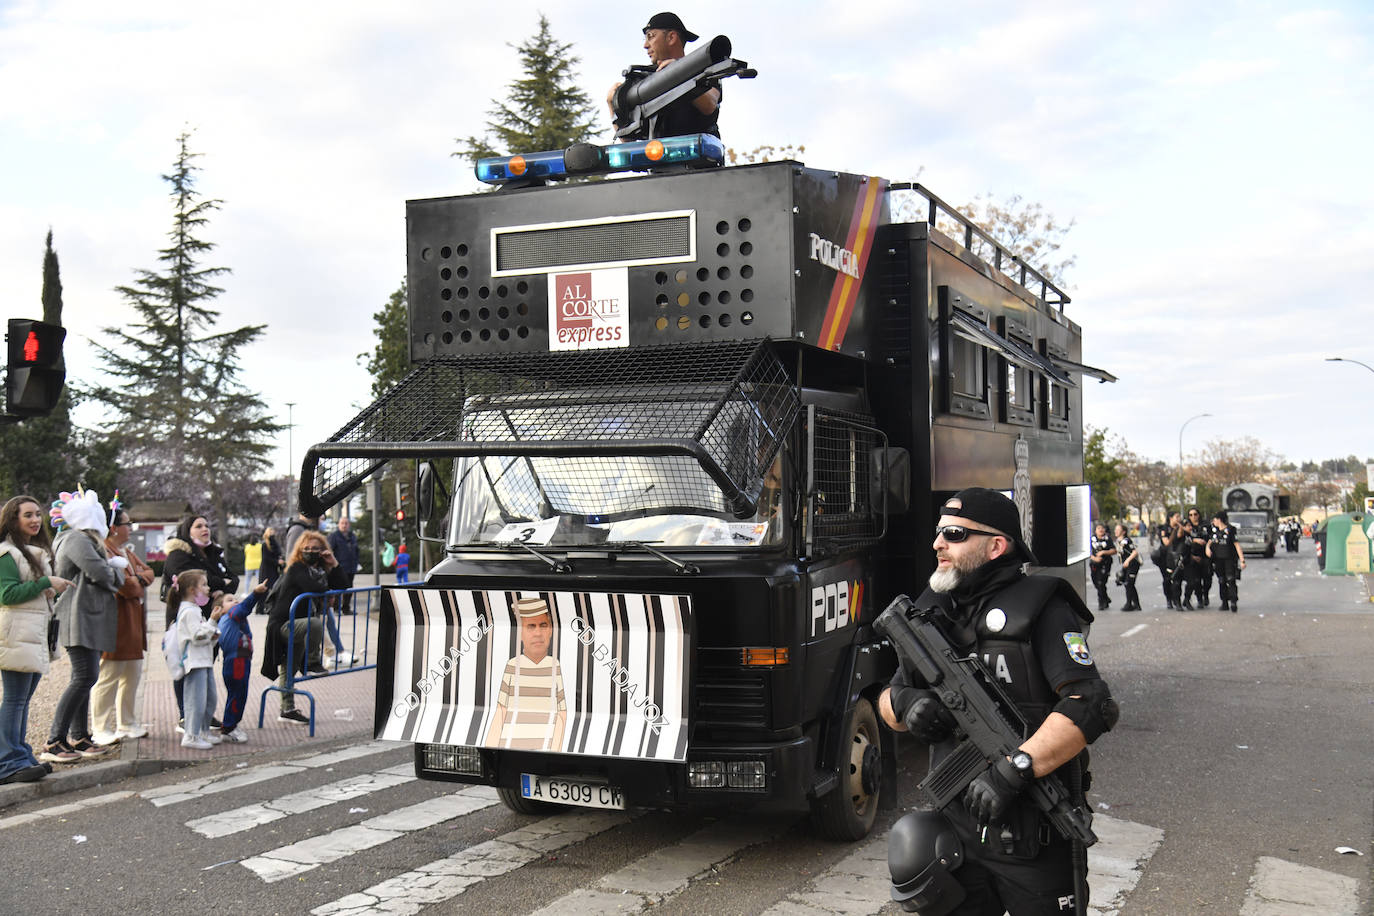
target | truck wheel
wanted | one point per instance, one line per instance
(1269, 553)
(518, 803)
(846, 813)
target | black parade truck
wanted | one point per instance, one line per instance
(692, 429)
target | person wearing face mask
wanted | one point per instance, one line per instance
(87, 616)
(27, 587)
(193, 548)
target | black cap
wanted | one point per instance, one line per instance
(672, 22)
(991, 508)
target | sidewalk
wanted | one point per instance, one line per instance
(343, 709)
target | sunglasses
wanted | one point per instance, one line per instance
(955, 534)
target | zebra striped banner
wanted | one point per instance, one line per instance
(614, 681)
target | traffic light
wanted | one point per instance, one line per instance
(402, 496)
(400, 515)
(35, 374)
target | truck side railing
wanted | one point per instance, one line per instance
(1004, 260)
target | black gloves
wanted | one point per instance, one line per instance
(990, 794)
(923, 714)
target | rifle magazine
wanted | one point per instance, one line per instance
(951, 777)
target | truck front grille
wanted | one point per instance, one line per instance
(731, 699)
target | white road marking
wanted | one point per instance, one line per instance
(666, 872)
(297, 858)
(444, 879)
(16, 820)
(1134, 630)
(1116, 860)
(856, 885)
(1279, 888)
(209, 785)
(259, 813)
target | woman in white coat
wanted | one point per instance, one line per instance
(27, 587)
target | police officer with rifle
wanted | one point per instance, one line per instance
(996, 676)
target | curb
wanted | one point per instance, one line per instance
(60, 782)
(74, 778)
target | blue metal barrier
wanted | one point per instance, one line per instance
(317, 609)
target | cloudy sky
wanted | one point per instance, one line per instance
(1214, 157)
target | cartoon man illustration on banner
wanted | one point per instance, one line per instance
(530, 708)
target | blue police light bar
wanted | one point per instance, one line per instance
(640, 155)
(690, 149)
(501, 169)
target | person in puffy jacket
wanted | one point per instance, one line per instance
(27, 586)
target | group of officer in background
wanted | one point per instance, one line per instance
(1189, 552)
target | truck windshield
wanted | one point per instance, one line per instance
(584, 501)
(1250, 519)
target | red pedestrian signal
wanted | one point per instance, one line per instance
(35, 377)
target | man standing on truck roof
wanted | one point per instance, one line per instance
(665, 41)
(1227, 558)
(530, 707)
(997, 851)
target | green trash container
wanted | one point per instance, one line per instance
(1348, 549)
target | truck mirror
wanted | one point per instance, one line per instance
(424, 490)
(890, 480)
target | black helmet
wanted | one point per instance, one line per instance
(922, 851)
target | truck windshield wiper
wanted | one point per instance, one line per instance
(687, 569)
(557, 565)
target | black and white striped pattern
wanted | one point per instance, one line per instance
(624, 660)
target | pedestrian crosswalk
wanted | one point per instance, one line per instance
(368, 777)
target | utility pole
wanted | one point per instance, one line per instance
(374, 502)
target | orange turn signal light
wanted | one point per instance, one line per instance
(766, 658)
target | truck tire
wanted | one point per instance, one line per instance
(846, 812)
(518, 803)
(1269, 552)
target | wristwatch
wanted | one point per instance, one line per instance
(1023, 764)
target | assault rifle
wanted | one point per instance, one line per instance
(991, 724)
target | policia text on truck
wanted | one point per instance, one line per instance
(712, 447)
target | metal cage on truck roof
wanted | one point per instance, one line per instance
(723, 407)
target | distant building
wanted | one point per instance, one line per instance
(153, 523)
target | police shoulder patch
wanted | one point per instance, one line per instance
(1077, 645)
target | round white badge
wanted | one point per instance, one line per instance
(996, 620)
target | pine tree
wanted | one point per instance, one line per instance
(543, 109)
(187, 425)
(389, 361)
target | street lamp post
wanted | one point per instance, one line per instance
(1342, 359)
(1180, 457)
(290, 457)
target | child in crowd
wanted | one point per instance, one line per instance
(236, 645)
(196, 638)
(402, 565)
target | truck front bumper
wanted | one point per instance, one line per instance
(713, 773)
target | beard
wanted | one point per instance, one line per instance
(947, 580)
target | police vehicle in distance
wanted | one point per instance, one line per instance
(1254, 510)
(694, 428)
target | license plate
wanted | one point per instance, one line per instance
(571, 791)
